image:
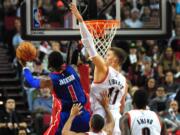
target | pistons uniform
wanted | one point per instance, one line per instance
(68, 89)
(115, 83)
(144, 122)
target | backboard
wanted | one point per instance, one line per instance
(51, 20)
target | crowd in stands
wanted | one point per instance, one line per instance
(152, 65)
(11, 123)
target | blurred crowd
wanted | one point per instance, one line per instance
(153, 65)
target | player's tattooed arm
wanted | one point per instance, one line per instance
(124, 125)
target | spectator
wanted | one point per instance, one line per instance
(60, 17)
(42, 105)
(159, 103)
(139, 44)
(132, 58)
(47, 8)
(128, 104)
(149, 45)
(125, 13)
(30, 92)
(56, 46)
(159, 75)
(170, 84)
(146, 16)
(150, 87)
(17, 37)
(9, 29)
(175, 44)
(22, 132)
(100, 5)
(144, 71)
(131, 63)
(155, 20)
(44, 50)
(16, 40)
(134, 21)
(168, 60)
(173, 117)
(10, 120)
(155, 55)
(39, 69)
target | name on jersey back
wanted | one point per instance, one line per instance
(66, 80)
(116, 82)
(144, 121)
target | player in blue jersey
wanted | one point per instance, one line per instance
(65, 83)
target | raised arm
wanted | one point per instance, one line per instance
(87, 40)
(76, 110)
(110, 123)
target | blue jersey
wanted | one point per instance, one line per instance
(68, 88)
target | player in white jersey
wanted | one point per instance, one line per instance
(141, 121)
(97, 123)
(107, 74)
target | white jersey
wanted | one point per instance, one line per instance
(100, 133)
(144, 122)
(115, 83)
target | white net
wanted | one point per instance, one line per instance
(103, 32)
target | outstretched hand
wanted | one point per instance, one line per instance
(105, 99)
(76, 13)
(76, 110)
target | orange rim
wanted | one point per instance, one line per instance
(100, 25)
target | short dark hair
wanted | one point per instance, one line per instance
(97, 123)
(120, 53)
(169, 71)
(140, 99)
(55, 60)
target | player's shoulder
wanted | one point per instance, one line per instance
(117, 73)
(132, 112)
(69, 68)
(151, 112)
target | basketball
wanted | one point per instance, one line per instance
(26, 51)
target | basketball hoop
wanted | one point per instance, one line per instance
(103, 32)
